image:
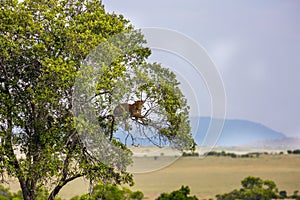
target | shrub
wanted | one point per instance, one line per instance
(295, 195)
(297, 151)
(253, 188)
(192, 154)
(111, 192)
(5, 194)
(283, 194)
(181, 194)
(212, 153)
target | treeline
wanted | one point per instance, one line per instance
(225, 154)
(297, 151)
(233, 155)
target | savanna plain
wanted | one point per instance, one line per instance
(205, 175)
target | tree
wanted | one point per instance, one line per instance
(45, 45)
(253, 188)
(181, 194)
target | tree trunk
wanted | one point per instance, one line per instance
(28, 187)
(13, 159)
(24, 188)
(61, 184)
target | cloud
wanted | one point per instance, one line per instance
(223, 52)
(254, 44)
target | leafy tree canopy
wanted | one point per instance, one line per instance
(111, 192)
(48, 48)
(253, 188)
(181, 194)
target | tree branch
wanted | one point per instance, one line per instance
(61, 184)
(64, 180)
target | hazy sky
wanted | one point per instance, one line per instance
(254, 44)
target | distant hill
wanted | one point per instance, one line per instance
(235, 132)
(288, 142)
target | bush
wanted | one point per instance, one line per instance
(232, 155)
(283, 194)
(297, 151)
(212, 153)
(253, 188)
(192, 154)
(181, 194)
(5, 194)
(111, 192)
(295, 195)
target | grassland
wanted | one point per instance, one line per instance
(206, 176)
(214, 175)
